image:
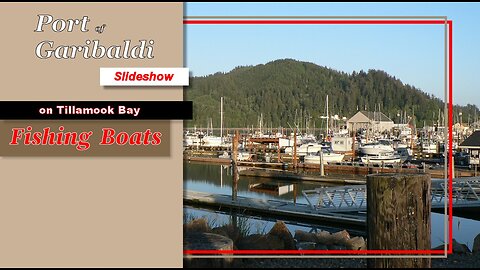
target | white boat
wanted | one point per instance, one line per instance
(429, 147)
(342, 144)
(212, 141)
(327, 155)
(190, 139)
(373, 149)
(382, 158)
(305, 149)
(241, 156)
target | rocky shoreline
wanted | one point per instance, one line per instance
(278, 238)
(198, 235)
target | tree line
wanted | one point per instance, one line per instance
(287, 93)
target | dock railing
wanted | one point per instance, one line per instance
(465, 193)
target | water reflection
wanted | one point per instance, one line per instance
(218, 179)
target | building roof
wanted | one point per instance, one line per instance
(376, 116)
(472, 141)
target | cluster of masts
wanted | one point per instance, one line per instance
(404, 134)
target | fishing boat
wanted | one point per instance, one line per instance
(342, 144)
(192, 139)
(429, 147)
(212, 141)
(382, 158)
(305, 149)
(328, 156)
(376, 148)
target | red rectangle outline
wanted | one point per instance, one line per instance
(450, 143)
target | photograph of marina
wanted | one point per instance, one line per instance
(283, 149)
(244, 183)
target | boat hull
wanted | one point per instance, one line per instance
(327, 158)
(381, 160)
(372, 151)
(304, 150)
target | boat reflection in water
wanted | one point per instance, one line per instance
(276, 189)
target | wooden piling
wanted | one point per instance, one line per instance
(234, 166)
(398, 217)
(322, 168)
(453, 167)
(235, 148)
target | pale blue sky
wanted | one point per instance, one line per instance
(412, 53)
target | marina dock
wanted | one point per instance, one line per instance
(344, 205)
(292, 176)
(277, 209)
(347, 168)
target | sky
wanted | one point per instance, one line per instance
(412, 53)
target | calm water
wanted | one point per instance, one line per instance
(217, 179)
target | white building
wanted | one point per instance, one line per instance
(373, 121)
(472, 145)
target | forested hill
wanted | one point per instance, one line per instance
(283, 91)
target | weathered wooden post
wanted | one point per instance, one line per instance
(398, 217)
(234, 166)
(322, 168)
(453, 167)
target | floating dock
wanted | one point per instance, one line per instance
(214, 160)
(349, 168)
(277, 209)
(287, 175)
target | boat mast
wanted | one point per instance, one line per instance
(211, 126)
(327, 117)
(221, 119)
(261, 123)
